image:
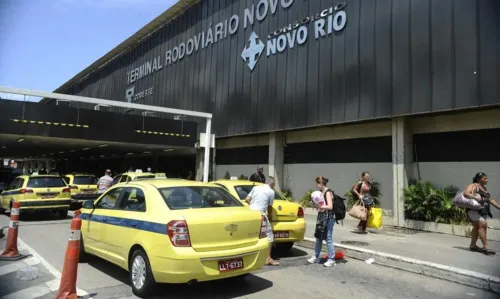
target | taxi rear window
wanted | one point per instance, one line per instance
(198, 197)
(244, 190)
(44, 182)
(85, 180)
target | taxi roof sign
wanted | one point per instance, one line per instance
(234, 178)
(138, 170)
(161, 175)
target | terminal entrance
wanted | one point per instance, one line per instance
(62, 139)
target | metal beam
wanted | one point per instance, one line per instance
(96, 101)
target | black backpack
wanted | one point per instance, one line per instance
(339, 208)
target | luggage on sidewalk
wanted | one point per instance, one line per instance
(463, 202)
(375, 218)
(358, 211)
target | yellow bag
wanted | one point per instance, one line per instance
(375, 219)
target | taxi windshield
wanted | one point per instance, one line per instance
(46, 182)
(197, 197)
(244, 190)
(85, 180)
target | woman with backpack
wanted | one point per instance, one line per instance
(362, 190)
(324, 224)
(477, 191)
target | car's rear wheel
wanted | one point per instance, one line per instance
(141, 276)
(62, 213)
(82, 255)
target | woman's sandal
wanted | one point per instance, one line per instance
(272, 263)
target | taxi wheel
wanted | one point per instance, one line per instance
(82, 255)
(141, 276)
(62, 214)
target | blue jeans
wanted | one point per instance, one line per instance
(329, 241)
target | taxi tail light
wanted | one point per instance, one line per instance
(25, 191)
(66, 190)
(300, 213)
(178, 233)
(263, 228)
(73, 187)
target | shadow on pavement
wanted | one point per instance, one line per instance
(226, 288)
(294, 252)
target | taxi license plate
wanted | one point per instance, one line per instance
(230, 265)
(281, 235)
(47, 195)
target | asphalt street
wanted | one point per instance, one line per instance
(294, 278)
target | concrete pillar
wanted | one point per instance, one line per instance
(276, 157)
(402, 165)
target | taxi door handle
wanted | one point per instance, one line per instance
(133, 224)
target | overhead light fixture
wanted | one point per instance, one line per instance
(146, 113)
(102, 156)
(72, 151)
(61, 152)
(86, 149)
(4, 146)
(168, 150)
(147, 152)
(51, 154)
(20, 140)
(103, 145)
(179, 117)
(128, 154)
(44, 155)
(98, 106)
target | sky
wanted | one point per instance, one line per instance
(44, 43)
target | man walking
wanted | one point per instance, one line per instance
(261, 199)
(104, 182)
(259, 176)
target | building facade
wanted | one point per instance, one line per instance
(401, 88)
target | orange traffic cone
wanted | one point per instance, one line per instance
(11, 253)
(67, 288)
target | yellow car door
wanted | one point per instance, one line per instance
(97, 220)
(9, 195)
(122, 230)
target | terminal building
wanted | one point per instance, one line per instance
(402, 89)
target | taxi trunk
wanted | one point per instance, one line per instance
(221, 228)
(84, 185)
(284, 211)
(47, 189)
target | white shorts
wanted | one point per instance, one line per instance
(475, 216)
(270, 234)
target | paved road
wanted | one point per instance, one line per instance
(293, 279)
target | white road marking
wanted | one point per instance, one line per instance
(48, 285)
(33, 292)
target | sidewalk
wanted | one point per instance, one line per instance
(426, 246)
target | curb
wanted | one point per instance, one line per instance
(465, 277)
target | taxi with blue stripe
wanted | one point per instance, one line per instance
(173, 231)
(38, 192)
(287, 220)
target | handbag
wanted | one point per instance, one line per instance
(463, 202)
(358, 211)
(321, 230)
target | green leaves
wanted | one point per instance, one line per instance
(305, 201)
(426, 202)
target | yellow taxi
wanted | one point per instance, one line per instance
(133, 175)
(38, 192)
(287, 220)
(83, 186)
(173, 231)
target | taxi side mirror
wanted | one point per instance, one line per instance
(89, 204)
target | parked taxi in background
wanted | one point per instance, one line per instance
(133, 175)
(173, 231)
(287, 219)
(38, 192)
(83, 186)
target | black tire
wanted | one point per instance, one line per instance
(62, 214)
(283, 248)
(82, 255)
(149, 282)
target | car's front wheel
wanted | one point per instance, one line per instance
(82, 255)
(141, 276)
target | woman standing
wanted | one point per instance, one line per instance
(326, 216)
(362, 190)
(477, 191)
